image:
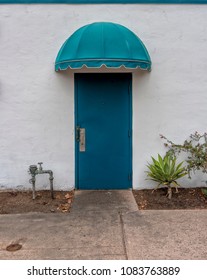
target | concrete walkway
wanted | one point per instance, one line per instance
(106, 225)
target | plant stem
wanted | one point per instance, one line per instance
(169, 192)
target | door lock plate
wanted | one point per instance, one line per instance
(82, 143)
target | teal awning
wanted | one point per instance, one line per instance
(103, 43)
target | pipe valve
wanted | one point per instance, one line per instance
(32, 169)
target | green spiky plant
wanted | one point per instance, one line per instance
(166, 172)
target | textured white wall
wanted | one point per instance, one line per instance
(37, 104)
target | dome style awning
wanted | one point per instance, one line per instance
(103, 43)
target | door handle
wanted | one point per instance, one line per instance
(77, 133)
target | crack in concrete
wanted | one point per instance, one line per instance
(123, 235)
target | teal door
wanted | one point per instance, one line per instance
(103, 131)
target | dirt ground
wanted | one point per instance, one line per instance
(21, 202)
(186, 198)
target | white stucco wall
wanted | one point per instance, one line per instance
(37, 104)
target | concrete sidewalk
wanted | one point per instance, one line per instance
(106, 225)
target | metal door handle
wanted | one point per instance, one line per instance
(77, 133)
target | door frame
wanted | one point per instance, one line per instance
(130, 104)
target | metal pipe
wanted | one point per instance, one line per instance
(51, 184)
(33, 170)
(32, 181)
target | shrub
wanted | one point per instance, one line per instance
(195, 148)
(166, 172)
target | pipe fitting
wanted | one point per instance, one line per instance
(33, 170)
